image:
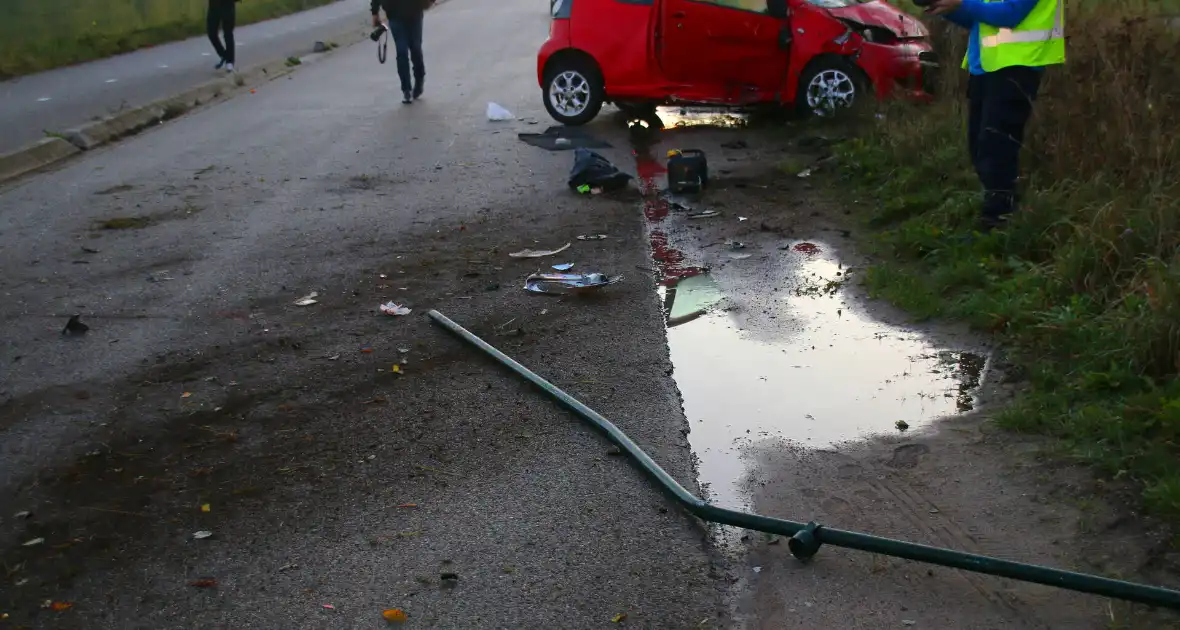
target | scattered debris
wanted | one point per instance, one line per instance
(319, 47)
(366, 349)
(202, 535)
(563, 138)
(538, 253)
(619, 618)
(592, 237)
(807, 248)
(738, 256)
(205, 507)
(408, 505)
(563, 283)
(393, 308)
(735, 245)
(23, 515)
(497, 113)
(805, 173)
(593, 170)
(757, 569)
(564, 266)
(89, 250)
(187, 395)
(75, 327)
(204, 583)
(307, 300)
(707, 214)
(288, 567)
(33, 543)
(329, 607)
(901, 425)
(908, 622)
(396, 369)
(57, 606)
(448, 576)
(394, 615)
(740, 219)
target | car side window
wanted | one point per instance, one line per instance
(757, 6)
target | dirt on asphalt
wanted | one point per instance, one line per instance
(333, 486)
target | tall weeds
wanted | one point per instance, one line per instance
(1084, 286)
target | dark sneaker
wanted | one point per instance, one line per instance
(220, 64)
(419, 87)
(407, 97)
(989, 223)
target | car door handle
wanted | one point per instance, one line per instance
(679, 15)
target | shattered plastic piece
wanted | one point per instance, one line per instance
(805, 173)
(583, 189)
(396, 369)
(739, 256)
(60, 606)
(591, 169)
(329, 607)
(394, 615)
(202, 535)
(564, 266)
(740, 219)
(707, 214)
(24, 514)
(563, 283)
(187, 395)
(592, 237)
(757, 569)
(393, 308)
(75, 327)
(34, 542)
(204, 583)
(307, 300)
(538, 253)
(497, 112)
(619, 618)
(367, 349)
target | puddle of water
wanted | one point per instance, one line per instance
(798, 363)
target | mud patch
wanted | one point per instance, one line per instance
(139, 222)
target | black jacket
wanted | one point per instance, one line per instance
(399, 9)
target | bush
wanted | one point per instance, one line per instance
(1084, 285)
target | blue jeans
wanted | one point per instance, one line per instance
(407, 39)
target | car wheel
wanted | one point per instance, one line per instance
(573, 92)
(832, 87)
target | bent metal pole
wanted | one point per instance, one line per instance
(807, 538)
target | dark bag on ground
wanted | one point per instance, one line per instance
(593, 170)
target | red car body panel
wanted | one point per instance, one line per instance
(691, 51)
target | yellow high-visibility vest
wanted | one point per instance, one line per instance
(1039, 40)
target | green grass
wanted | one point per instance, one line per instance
(38, 35)
(1083, 288)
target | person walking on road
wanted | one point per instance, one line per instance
(405, 25)
(221, 16)
(1012, 41)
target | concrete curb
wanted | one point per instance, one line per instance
(34, 156)
(49, 151)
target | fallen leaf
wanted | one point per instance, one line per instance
(204, 583)
(206, 507)
(619, 618)
(201, 535)
(33, 542)
(60, 606)
(394, 615)
(186, 395)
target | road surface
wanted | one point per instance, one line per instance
(212, 455)
(59, 99)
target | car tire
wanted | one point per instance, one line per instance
(832, 88)
(573, 91)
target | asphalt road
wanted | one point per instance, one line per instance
(203, 399)
(66, 97)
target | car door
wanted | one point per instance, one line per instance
(725, 48)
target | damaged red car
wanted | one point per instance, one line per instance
(819, 56)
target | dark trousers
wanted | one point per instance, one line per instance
(221, 16)
(407, 39)
(1001, 103)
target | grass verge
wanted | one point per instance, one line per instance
(38, 35)
(1084, 286)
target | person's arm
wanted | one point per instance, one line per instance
(1006, 14)
(959, 18)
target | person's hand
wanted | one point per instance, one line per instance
(942, 7)
(376, 20)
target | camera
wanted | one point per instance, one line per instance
(381, 28)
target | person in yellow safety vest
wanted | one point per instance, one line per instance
(1011, 43)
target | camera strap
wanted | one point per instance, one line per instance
(383, 46)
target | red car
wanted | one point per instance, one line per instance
(817, 55)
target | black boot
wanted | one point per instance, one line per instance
(419, 87)
(407, 98)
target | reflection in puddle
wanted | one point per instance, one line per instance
(793, 363)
